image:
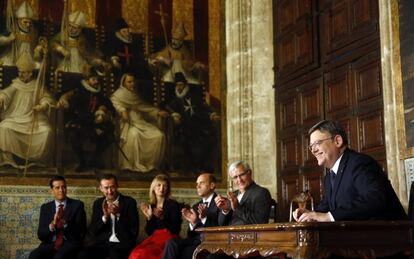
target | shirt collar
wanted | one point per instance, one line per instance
(117, 198)
(335, 167)
(57, 203)
(208, 200)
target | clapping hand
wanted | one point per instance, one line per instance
(190, 215)
(113, 208)
(58, 220)
(202, 210)
(233, 199)
(105, 209)
(146, 210)
(222, 203)
(158, 213)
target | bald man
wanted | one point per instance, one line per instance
(202, 214)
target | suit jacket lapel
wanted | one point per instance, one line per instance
(212, 206)
(51, 209)
(339, 175)
(67, 208)
(246, 193)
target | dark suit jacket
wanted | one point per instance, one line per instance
(171, 220)
(75, 220)
(254, 208)
(361, 191)
(211, 221)
(126, 228)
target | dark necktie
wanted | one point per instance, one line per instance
(59, 228)
(332, 176)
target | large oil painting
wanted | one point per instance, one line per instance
(131, 87)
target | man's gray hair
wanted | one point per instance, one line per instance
(236, 164)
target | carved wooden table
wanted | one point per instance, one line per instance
(364, 239)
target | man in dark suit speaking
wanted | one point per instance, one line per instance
(356, 188)
(62, 224)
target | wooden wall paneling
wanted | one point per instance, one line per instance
(290, 12)
(286, 52)
(346, 26)
(288, 109)
(286, 15)
(304, 46)
(309, 160)
(369, 112)
(312, 102)
(313, 182)
(305, 8)
(371, 128)
(364, 17)
(327, 66)
(296, 38)
(368, 82)
(339, 92)
(337, 25)
(290, 154)
(290, 187)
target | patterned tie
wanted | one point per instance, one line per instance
(332, 177)
(59, 228)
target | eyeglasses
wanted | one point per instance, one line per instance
(240, 175)
(317, 143)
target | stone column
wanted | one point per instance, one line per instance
(250, 94)
(392, 94)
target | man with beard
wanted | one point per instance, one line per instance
(193, 130)
(74, 51)
(21, 39)
(176, 57)
(88, 117)
(126, 53)
(25, 131)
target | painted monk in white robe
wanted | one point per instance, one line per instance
(141, 141)
(19, 107)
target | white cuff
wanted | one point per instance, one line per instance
(331, 217)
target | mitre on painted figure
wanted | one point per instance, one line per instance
(78, 19)
(24, 11)
(179, 32)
